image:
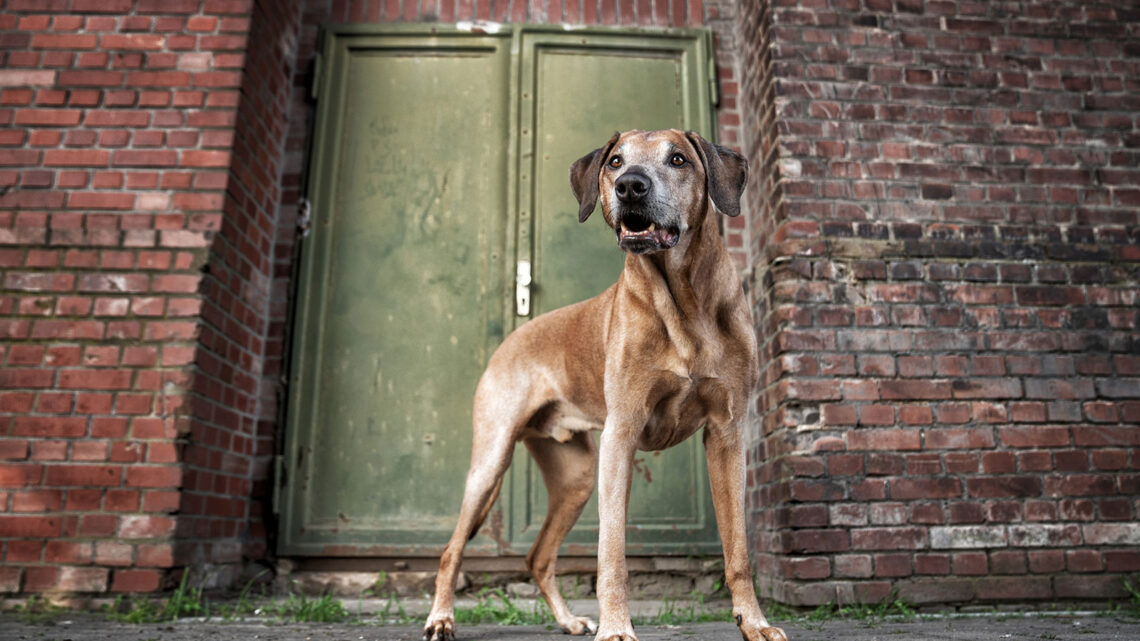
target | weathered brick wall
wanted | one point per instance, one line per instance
(228, 460)
(129, 430)
(947, 298)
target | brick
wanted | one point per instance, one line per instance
(806, 568)
(968, 537)
(889, 538)
(154, 477)
(997, 388)
(915, 390)
(815, 541)
(883, 439)
(1035, 437)
(81, 579)
(136, 581)
(145, 527)
(1013, 588)
(912, 488)
(969, 563)
(83, 475)
(30, 526)
(1044, 535)
(858, 566)
(1084, 586)
(1004, 486)
(1123, 534)
(972, 439)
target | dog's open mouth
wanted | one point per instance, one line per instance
(639, 234)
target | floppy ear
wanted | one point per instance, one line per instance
(584, 178)
(725, 170)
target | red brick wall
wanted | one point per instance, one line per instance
(129, 388)
(947, 298)
(227, 494)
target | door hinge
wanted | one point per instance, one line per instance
(280, 478)
(522, 288)
(318, 71)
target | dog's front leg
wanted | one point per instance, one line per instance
(615, 470)
(724, 449)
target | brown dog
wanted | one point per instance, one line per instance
(666, 350)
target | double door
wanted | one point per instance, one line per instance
(439, 167)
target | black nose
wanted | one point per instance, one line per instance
(632, 187)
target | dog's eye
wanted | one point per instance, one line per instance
(615, 162)
(677, 160)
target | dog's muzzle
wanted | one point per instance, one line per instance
(639, 229)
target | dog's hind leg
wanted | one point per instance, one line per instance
(568, 469)
(490, 456)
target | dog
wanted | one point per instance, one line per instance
(668, 349)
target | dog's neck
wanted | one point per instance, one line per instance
(688, 269)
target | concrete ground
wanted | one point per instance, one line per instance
(999, 627)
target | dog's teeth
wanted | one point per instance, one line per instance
(652, 226)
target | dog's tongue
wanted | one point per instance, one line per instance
(665, 237)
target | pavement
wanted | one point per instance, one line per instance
(1072, 626)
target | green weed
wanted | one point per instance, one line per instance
(394, 613)
(493, 606)
(1132, 607)
(243, 606)
(376, 589)
(694, 612)
(300, 608)
(183, 602)
(868, 614)
(38, 611)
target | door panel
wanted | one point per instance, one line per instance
(441, 158)
(577, 91)
(398, 295)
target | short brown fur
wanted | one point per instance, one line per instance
(666, 350)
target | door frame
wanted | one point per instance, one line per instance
(335, 41)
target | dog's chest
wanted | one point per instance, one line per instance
(686, 397)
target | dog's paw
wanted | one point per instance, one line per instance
(439, 629)
(578, 626)
(773, 634)
(623, 635)
(762, 633)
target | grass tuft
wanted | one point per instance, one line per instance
(299, 608)
(868, 614)
(493, 606)
(185, 601)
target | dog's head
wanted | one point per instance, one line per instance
(655, 185)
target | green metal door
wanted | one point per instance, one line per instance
(440, 161)
(399, 292)
(577, 90)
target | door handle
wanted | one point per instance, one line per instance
(522, 288)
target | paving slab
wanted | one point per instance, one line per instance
(1003, 627)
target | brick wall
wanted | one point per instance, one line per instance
(947, 298)
(227, 493)
(129, 436)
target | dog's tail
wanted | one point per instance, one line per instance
(486, 509)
